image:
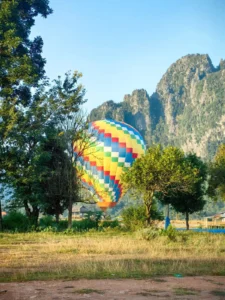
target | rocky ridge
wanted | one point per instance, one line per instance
(186, 110)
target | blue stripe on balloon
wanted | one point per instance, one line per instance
(128, 128)
(122, 152)
(101, 175)
(107, 142)
(115, 147)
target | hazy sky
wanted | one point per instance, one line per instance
(122, 45)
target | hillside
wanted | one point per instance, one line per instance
(186, 110)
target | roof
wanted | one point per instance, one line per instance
(217, 216)
(83, 209)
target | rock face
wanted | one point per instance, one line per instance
(186, 110)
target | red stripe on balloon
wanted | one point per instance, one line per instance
(108, 135)
(122, 145)
(115, 140)
(100, 168)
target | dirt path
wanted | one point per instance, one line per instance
(206, 287)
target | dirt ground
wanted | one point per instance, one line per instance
(206, 287)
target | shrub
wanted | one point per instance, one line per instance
(111, 224)
(171, 233)
(46, 221)
(148, 233)
(84, 225)
(152, 233)
(134, 217)
(62, 225)
(16, 221)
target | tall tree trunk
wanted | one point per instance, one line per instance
(187, 220)
(57, 209)
(57, 217)
(32, 214)
(1, 225)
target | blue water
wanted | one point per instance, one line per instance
(219, 230)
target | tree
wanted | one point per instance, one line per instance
(54, 183)
(160, 171)
(21, 63)
(21, 68)
(65, 100)
(192, 201)
(216, 187)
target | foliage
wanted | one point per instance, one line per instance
(134, 217)
(21, 109)
(217, 175)
(160, 171)
(193, 200)
(110, 224)
(170, 233)
(16, 221)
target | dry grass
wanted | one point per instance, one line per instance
(107, 255)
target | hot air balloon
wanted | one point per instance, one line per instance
(113, 148)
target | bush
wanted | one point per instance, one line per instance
(62, 225)
(134, 217)
(46, 221)
(149, 233)
(111, 224)
(84, 225)
(171, 233)
(16, 221)
(152, 233)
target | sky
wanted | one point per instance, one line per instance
(123, 45)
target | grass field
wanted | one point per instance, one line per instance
(111, 254)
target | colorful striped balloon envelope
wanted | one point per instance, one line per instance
(110, 148)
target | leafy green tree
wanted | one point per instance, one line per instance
(192, 201)
(21, 63)
(43, 155)
(216, 187)
(65, 100)
(160, 171)
(54, 184)
(21, 111)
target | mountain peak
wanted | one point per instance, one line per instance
(187, 110)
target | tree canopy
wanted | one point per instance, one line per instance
(217, 175)
(160, 171)
(188, 202)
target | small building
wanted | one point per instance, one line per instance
(215, 221)
(79, 212)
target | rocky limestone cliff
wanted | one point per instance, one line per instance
(186, 110)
